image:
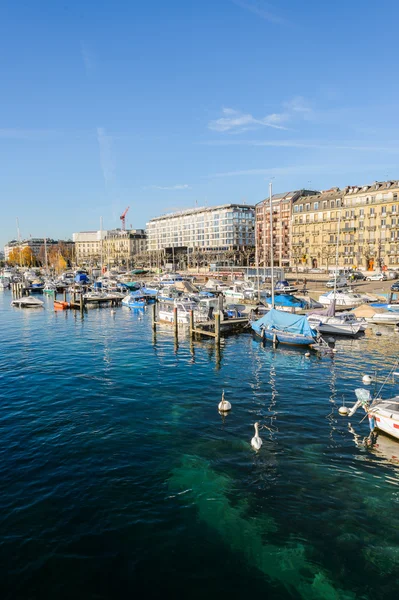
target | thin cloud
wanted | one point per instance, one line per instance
(261, 10)
(357, 146)
(178, 186)
(234, 121)
(301, 170)
(106, 157)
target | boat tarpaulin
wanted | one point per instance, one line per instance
(81, 278)
(289, 301)
(283, 321)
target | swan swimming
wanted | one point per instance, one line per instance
(224, 405)
(256, 441)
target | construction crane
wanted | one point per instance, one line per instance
(123, 218)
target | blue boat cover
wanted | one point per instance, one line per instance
(81, 278)
(283, 321)
(288, 300)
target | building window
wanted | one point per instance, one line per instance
(316, 206)
(296, 208)
(307, 207)
(301, 208)
(325, 204)
(372, 212)
(332, 204)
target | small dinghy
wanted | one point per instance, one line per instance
(27, 302)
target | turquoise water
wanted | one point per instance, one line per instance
(120, 478)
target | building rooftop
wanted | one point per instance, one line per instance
(193, 211)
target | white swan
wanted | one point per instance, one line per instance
(256, 441)
(224, 405)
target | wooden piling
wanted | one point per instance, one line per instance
(191, 324)
(154, 317)
(217, 328)
(81, 301)
(65, 294)
(175, 323)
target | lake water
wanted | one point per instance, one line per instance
(120, 479)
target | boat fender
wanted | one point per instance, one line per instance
(343, 411)
(354, 408)
(371, 423)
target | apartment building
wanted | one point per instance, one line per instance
(282, 224)
(116, 246)
(363, 220)
(35, 244)
(215, 228)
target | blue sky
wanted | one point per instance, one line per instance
(160, 105)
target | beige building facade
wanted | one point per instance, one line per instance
(363, 220)
(115, 247)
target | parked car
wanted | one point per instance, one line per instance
(391, 274)
(357, 275)
(341, 282)
(395, 287)
(376, 277)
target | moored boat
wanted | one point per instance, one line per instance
(285, 328)
(60, 305)
(27, 302)
(382, 414)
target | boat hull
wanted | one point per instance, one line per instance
(385, 423)
(283, 337)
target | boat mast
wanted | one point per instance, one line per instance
(101, 245)
(336, 258)
(45, 255)
(257, 253)
(271, 242)
(19, 244)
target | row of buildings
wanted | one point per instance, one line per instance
(359, 223)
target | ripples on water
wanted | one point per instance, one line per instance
(120, 478)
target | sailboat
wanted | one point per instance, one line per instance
(279, 326)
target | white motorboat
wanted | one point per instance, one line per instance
(382, 414)
(27, 302)
(215, 285)
(341, 298)
(241, 291)
(337, 324)
(184, 307)
(377, 315)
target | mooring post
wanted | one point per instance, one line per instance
(191, 324)
(175, 323)
(74, 297)
(154, 317)
(81, 302)
(64, 295)
(217, 328)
